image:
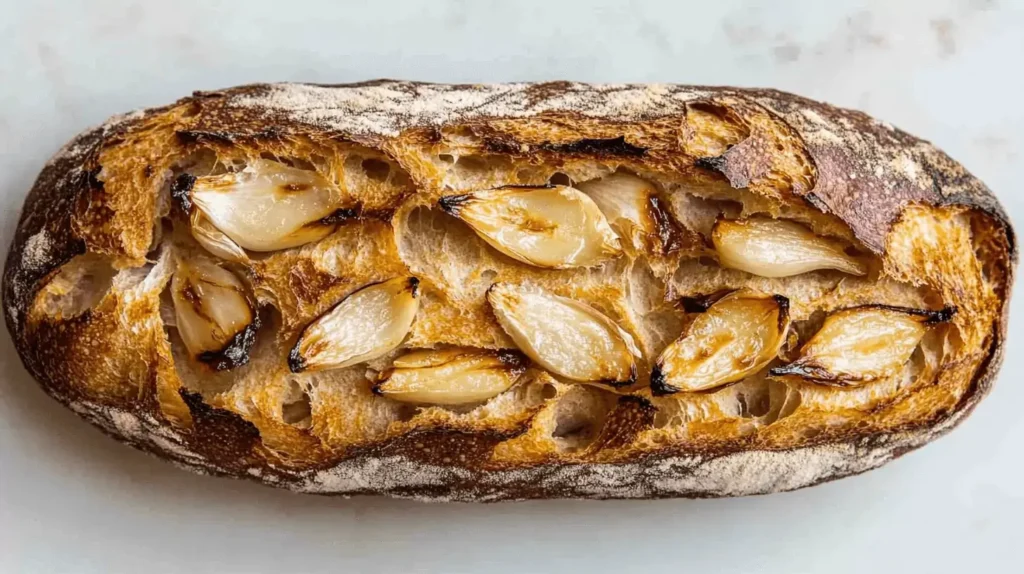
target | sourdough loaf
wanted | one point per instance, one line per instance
(490, 292)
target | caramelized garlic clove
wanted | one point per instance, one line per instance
(862, 344)
(215, 241)
(779, 248)
(624, 199)
(267, 206)
(737, 336)
(565, 336)
(631, 205)
(451, 376)
(552, 227)
(214, 313)
(366, 324)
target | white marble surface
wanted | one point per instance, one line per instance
(74, 501)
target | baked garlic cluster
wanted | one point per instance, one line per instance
(270, 206)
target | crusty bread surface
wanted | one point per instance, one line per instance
(104, 230)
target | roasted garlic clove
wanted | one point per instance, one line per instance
(363, 326)
(624, 200)
(450, 376)
(554, 227)
(779, 248)
(737, 336)
(633, 209)
(215, 241)
(214, 313)
(862, 344)
(565, 336)
(265, 207)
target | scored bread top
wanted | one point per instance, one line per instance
(89, 278)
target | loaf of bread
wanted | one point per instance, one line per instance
(491, 292)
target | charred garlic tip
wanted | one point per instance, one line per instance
(181, 189)
(565, 336)
(554, 227)
(363, 326)
(659, 384)
(633, 209)
(737, 336)
(701, 303)
(265, 207)
(779, 248)
(214, 314)
(862, 344)
(450, 376)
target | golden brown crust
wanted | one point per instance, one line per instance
(878, 185)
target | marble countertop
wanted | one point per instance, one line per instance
(72, 500)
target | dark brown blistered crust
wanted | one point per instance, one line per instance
(850, 152)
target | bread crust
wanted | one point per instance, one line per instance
(842, 163)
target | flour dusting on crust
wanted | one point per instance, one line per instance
(387, 108)
(37, 251)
